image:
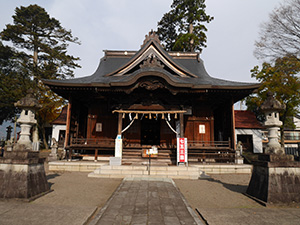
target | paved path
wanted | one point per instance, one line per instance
(146, 201)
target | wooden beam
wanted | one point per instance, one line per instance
(150, 111)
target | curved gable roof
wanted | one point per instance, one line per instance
(152, 49)
(121, 68)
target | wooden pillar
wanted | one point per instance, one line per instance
(120, 124)
(212, 129)
(233, 127)
(68, 125)
(96, 155)
(181, 117)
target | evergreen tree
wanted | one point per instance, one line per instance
(13, 82)
(43, 41)
(182, 28)
(41, 44)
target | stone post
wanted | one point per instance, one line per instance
(53, 156)
(238, 153)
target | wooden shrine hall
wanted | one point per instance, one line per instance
(149, 98)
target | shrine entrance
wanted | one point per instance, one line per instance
(150, 131)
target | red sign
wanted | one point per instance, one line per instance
(181, 150)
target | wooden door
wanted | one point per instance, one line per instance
(198, 130)
(202, 131)
(189, 130)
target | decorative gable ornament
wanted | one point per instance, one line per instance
(151, 85)
(153, 62)
(151, 36)
(152, 55)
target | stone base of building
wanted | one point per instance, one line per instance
(275, 180)
(22, 175)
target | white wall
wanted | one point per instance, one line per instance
(256, 137)
(297, 123)
(55, 131)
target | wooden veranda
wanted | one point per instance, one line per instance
(198, 151)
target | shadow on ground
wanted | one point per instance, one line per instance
(232, 187)
(51, 176)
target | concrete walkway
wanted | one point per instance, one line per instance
(146, 201)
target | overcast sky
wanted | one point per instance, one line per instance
(122, 25)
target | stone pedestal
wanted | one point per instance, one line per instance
(239, 160)
(22, 175)
(238, 154)
(275, 179)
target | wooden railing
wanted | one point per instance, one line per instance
(209, 144)
(200, 151)
(211, 151)
(129, 143)
(92, 142)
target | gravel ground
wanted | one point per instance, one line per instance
(73, 200)
(222, 191)
(221, 201)
(75, 197)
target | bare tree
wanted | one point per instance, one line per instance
(280, 36)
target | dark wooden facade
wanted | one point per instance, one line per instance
(149, 89)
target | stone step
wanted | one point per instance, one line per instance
(141, 161)
(90, 166)
(145, 160)
(134, 156)
(139, 157)
(178, 172)
(139, 153)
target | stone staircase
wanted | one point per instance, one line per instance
(176, 172)
(134, 157)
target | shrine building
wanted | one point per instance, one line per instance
(151, 97)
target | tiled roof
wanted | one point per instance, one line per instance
(62, 118)
(109, 72)
(246, 120)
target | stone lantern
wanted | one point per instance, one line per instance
(29, 105)
(271, 107)
(275, 175)
(22, 173)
